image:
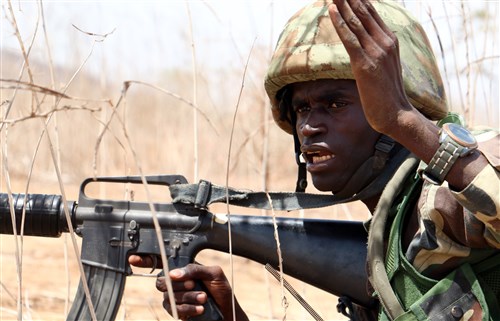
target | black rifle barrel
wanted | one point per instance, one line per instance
(44, 214)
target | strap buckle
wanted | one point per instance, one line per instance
(383, 148)
(202, 195)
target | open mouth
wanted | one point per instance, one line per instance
(318, 157)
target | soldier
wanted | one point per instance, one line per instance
(356, 83)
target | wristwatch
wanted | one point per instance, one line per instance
(454, 141)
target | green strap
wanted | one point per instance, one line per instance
(452, 117)
(394, 248)
(398, 268)
(377, 273)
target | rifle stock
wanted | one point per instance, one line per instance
(327, 254)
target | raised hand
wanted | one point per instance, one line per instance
(374, 53)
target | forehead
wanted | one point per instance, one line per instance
(324, 87)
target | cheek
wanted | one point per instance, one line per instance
(365, 136)
(298, 126)
(368, 138)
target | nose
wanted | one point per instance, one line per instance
(312, 124)
(307, 130)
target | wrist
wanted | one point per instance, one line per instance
(406, 124)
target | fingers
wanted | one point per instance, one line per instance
(201, 272)
(161, 285)
(198, 272)
(182, 292)
(188, 304)
(359, 25)
(140, 261)
(146, 261)
(371, 12)
(188, 301)
(349, 27)
(183, 278)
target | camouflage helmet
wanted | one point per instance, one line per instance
(309, 49)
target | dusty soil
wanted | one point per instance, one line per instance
(50, 277)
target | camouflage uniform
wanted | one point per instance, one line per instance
(455, 227)
(453, 259)
(452, 223)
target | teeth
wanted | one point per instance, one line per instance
(318, 159)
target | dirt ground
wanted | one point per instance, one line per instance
(50, 278)
(45, 287)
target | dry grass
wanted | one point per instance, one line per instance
(74, 114)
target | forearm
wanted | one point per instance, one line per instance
(421, 137)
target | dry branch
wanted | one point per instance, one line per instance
(18, 84)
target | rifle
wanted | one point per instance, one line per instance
(328, 254)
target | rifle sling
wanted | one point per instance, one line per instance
(204, 193)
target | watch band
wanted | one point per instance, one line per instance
(441, 162)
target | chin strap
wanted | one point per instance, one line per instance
(301, 184)
(371, 168)
(375, 180)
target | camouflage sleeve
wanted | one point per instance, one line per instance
(452, 223)
(481, 196)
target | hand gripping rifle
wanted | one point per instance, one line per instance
(327, 254)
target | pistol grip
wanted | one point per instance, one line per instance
(211, 310)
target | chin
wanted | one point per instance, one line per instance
(324, 185)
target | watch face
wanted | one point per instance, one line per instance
(460, 135)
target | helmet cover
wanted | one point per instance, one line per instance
(309, 49)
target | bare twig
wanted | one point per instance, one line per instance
(454, 50)
(51, 112)
(126, 85)
(9, 294)
(284, 300)
(227, 180)
(195, 95)
(243, 144)
(101, 37)
(23, 85)
(441, 49)
(25, 53)
(55, 162)
(154, 215)
(18, 244)
(467, 112)
(58, 148)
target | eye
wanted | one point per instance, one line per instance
(337, 104)
(302, 109)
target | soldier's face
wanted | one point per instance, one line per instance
(334, 133)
